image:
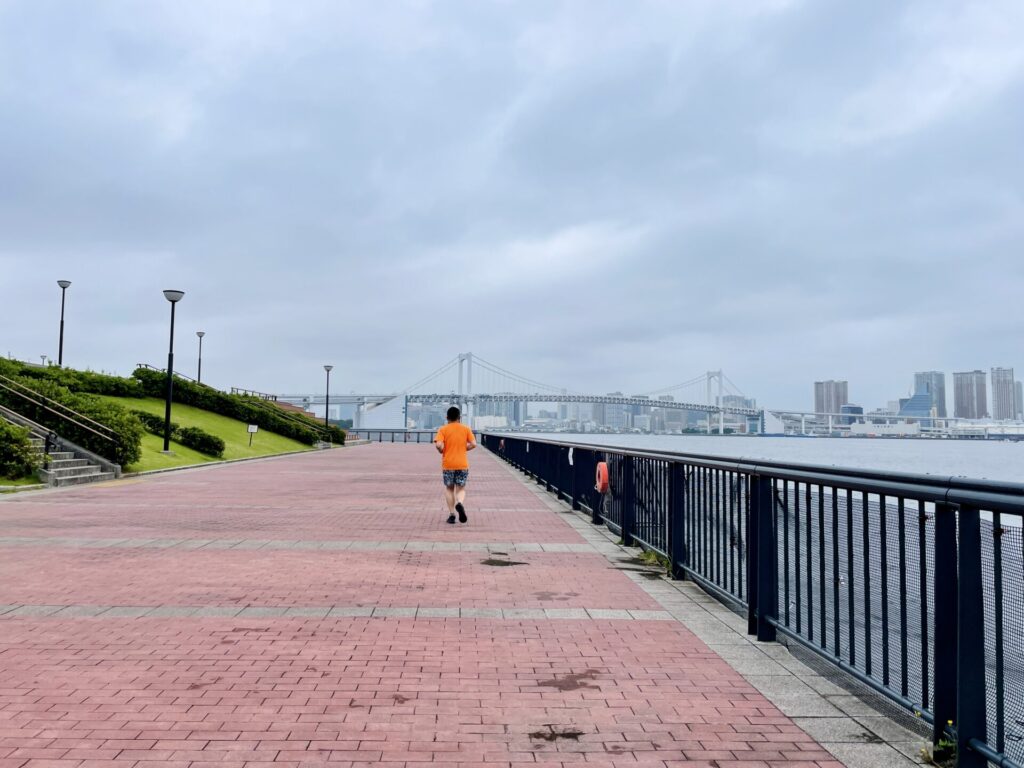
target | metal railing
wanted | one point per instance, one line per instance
(912, 584)
(58, 410)
(393, 435)
(253, 393)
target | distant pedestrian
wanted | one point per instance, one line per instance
(453, 441)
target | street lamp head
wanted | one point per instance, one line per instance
(173, 296)
(328, 368)
(200, 334)
(63, 283)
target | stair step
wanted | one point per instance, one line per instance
(98, 477)
(67, 463)
(61, 455)
(81, 471)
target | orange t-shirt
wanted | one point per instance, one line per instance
(455, 437)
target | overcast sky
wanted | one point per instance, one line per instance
(600, 195)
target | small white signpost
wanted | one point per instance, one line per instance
(253, 429)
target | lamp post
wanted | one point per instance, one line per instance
(60, 349)
(199, 373)
(174, 297)
(327, 397)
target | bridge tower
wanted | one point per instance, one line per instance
(466, 395)
(717, 376)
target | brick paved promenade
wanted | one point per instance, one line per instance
(317, 610)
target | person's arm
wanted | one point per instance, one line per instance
(439, 442)
(470, 442)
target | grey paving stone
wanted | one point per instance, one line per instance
(868, 755)
(394, 612)
(213, 611)
(194, 543)
(256, 611)
(126, 612)
(311, 613)
(437, 613)
(337, 545)
(566, 613)
(80, 611)
(223, 544)
(651, 615)
(609, 613)
(804, 705)
(34, 610)
(519, 548)
(251, 544)
(890, 731)
(344, 611)
(523, 613)
(780, 684)
(851, 705)
(481, 613)
(172, 612)
(836, 730)
(164, 543)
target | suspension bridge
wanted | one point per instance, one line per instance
(488, 394)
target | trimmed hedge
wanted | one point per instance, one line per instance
(76, 381)
(127, 429)
(236, 407)
(17, 457)
(191, 437)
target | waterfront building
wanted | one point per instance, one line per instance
(1019, 387)
(920, 405)
(969, 396)
(615, 414)
(935, 382)
(1004, 394)
(830, 395)
(850, 413)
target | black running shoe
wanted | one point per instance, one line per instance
(451, 519)
(462, 513)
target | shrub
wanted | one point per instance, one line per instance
(202, 441)
(73, 380)
(126, 447)
(17, 457)
(249, 410)
(191, 437)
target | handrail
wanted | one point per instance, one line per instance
(253, 393)
(898, 480)
(292, 418)
(900, 580)
(176, 373)
(111, 437)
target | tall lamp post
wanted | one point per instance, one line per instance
(60, 349)
(327, 397)
(199, 373)
(174, 297)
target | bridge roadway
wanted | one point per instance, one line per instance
(317, 610)
(538, 397)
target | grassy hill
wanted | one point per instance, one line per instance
(232, 432)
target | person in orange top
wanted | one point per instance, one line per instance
(453, 441)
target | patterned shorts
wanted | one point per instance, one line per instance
(455, 477)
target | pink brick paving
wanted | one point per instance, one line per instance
(350, 691)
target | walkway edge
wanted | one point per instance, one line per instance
(857, 735)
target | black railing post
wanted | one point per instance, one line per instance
(628, 501)
(971, 714)
(677, 519)
(762, 561)
(574, 479)
(945, 596)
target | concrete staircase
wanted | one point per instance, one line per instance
(65, 467)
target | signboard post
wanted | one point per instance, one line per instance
(253, 429)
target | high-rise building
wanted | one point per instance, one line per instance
(1019, 386)
(934, 382)
(615, 413)
(1004, 394)
(830, 396)
(969, 397)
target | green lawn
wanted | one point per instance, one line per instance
(233, 433)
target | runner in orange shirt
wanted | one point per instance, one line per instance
(453, 441)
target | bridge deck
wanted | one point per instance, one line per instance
(317, 608)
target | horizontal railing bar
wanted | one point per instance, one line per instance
(949, 489)
(63, 416)
(1002, 761)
